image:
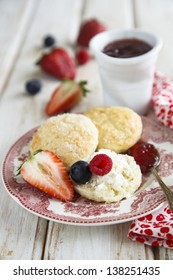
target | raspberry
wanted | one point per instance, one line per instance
(100, 165)
(82, 56)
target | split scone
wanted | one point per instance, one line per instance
(69, 136)
(119, 128)
(121, 182)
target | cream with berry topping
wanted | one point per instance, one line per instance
(121, 182)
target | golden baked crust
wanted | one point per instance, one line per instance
(119, 127)
(72, 137)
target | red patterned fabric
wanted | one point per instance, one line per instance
(154, 229)
(162, 99)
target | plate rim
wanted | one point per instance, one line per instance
(92, 223)
(70, 221)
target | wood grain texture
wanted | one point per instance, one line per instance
(14, 20)
(115, 14)
(107, 242)
(156, 16)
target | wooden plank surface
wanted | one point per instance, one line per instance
(102, 242)
(19, 113)
(159, 20)
(14, 20)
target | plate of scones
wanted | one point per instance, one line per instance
(76, 168)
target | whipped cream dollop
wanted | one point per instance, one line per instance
(121, 182)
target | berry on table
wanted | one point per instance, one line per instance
(49, 41)
(58, 63)
(100, 165)
(80, 173)
(67, 95)
(88, 30)
(33, 86)
(82, 56)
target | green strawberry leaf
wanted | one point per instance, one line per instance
(85, 90)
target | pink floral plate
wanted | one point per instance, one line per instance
(85, 212)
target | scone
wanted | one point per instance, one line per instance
(121, 182)
(119, 127)
(69, 136)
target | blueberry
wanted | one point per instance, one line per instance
(49, 41)
(80, 173)
(33, 86)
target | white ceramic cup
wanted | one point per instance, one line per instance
(126, 81)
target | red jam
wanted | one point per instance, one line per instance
(126, 48)
(145, 155)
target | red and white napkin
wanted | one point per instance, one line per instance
(162, 99)
(154, 229)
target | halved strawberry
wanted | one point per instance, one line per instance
(46, 172)
(65, 97)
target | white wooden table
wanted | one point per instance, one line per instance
(23, 24)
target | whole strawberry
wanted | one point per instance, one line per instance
(59, 64)
(66, 96)
(88, 30)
